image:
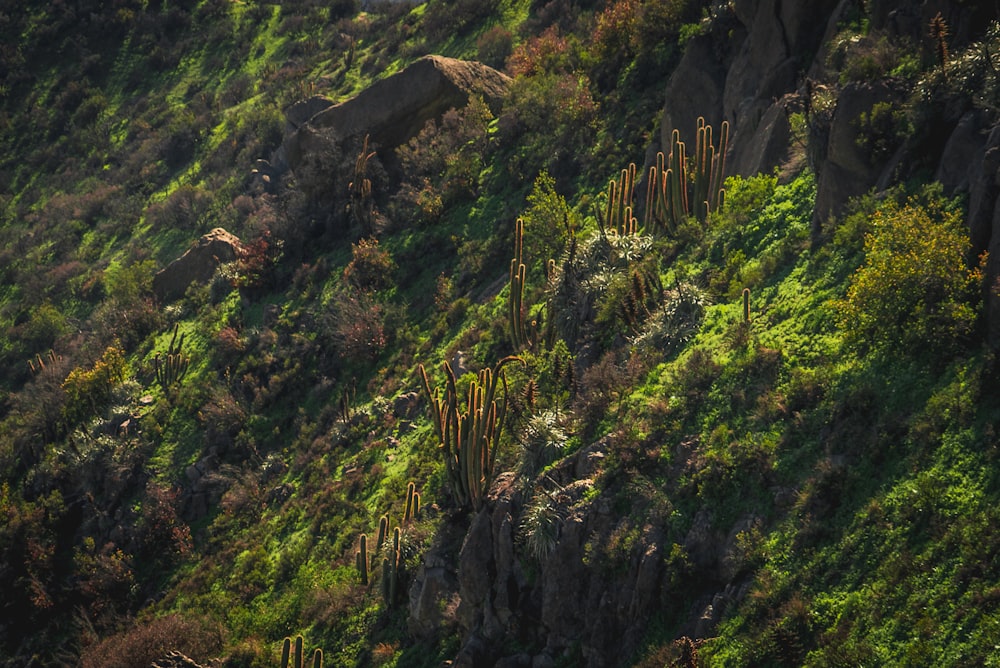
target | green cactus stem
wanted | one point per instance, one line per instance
(172, 368)
(383, 530)
(361, 559)
(297, 659)
(518, 273)
(619, 212)
(746, 305)
(469, 439)
(412, 503)
(672, 194)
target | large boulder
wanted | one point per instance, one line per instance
(196, 265)
(694, 91)
(390, 113)
(849, 169)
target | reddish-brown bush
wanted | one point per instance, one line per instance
(144, 643)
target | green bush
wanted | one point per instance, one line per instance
(914, 291)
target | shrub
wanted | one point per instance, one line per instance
(494, 46)
(181, 210)
(371, 267)
(447, 157)
(549, 52)
(141, 645)
(43, 327)
(358, 328)
(614, 30)
(255, 263)
(548, 223)
(914, 292)
(88, 391)
(882, 129)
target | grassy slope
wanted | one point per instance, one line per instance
(871, 483)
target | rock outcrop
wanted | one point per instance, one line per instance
(197, 265)
(175, 660)
(740, 71)
(390, 112)
(849, 168)
(556, 602)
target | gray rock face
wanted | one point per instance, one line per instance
(196, 265)
(768, 43)
(848, 169)
(963, 153)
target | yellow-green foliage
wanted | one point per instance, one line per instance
(914, 289)
(88, 390)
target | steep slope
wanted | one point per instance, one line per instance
(622, 431)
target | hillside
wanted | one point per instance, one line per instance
(524, 333)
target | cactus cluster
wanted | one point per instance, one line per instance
(524, 334)
(672, 194)
(40, 365)
(297, 659)
(172, 368)
(469, 439)
(619, 213)
(392, 561)
(392, 568)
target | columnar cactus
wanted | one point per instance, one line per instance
(387, 553)
(746, 305)
(668, 200)
(469, 439)
(172, 368)
(298, 659)
(392, 566)
(40, 367)
(412, 508)
(383, 531)
(708, 168)
(619, 213)
(518, 272)
(361, 559)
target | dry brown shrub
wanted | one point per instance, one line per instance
(143, 643)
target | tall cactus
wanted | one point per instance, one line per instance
(387, 554)
(412, 507)
(383, 531)
(619, 213)
(361, 559)
(172, 368)
(392, 567)
(518, 273)
(298, 659)
(469, 439)
(672, 194)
